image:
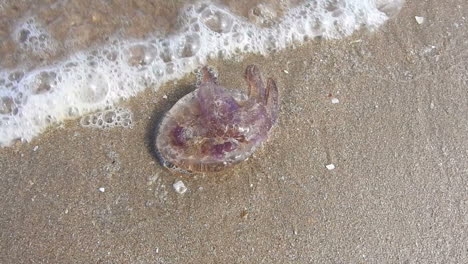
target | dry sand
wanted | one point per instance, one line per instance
(398, 138)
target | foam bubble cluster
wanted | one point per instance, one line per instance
(33, 38)
(110, 118)
(94, 80)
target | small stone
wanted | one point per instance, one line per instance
(330, 166)
(335, 100)
(164, 96)
(102, 189)
(285, 71)
(179, 187)
(35, 148)
(419, 19)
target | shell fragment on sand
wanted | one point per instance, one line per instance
(330, 166)
(419, 19)
(179, 187)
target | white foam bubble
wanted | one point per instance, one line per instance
(94, 80)
(118, 117)
(32, 37)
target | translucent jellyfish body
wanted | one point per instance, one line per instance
(213, 128)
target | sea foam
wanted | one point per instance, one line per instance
(96, 79)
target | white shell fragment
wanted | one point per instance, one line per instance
(179, 187)
(419, 19)
(102, 189)
(335, 100)
(330, 166)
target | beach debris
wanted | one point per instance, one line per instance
(102, 189)
(356, 41)
(179, 187)
(419, 19)
(164, 96)
(330, 166)
(286, 71)
(35, 148)
(213, 128)
(335, 100)
(295, 231)
(244, 213)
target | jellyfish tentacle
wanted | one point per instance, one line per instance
(255, 82)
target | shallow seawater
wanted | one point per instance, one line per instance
(66, 59)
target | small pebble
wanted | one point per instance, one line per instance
(102, 189)
(179, 187)
(419, 19)
(285, 71)
(335, 100)
(330, 166)
(35, 148)
(165, 96)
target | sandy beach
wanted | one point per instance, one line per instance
(398, 138)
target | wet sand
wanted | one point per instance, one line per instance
(398, 138)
